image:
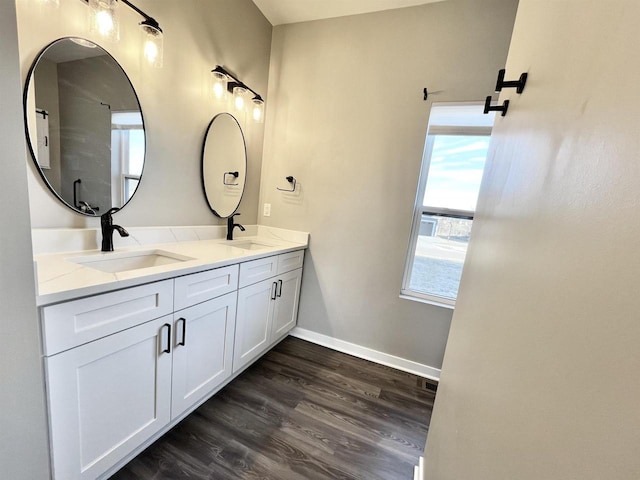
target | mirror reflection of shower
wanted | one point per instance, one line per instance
(82, 205)
(85, 123)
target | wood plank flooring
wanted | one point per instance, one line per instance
(301, 412)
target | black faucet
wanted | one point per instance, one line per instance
(106, 222)
(231, 226)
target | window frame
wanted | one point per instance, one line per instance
(419, 210)
(123, 135)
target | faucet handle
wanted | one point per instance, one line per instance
(109, 212)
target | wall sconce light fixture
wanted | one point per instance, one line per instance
(152, 41)
(257, 109)
(104, 20)
(221, 84)
(238, 97)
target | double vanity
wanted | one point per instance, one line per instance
(134, 340)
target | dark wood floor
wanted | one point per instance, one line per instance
(301, 412)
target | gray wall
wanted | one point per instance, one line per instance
(23, 442)
(349, 123)
(540, 378)
(176, 100)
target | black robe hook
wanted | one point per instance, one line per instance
(498, 108)
(517, 84)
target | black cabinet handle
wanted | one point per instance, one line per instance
(168, 349)
(280, 283)
(274, 289)
(184, 331)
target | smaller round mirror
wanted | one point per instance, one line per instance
(224, 165)
(84, 126)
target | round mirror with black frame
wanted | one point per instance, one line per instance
(84, 126)
(224, 165)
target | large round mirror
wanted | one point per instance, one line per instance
(224, 165)
(84, 126)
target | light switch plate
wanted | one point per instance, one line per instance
(266, 211)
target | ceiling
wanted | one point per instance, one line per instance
(279, 12)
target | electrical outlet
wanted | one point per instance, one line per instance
(266, 211)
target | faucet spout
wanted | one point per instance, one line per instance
(121, 231)
(231, 226)
(106, 223)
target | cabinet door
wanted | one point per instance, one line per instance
(203, 350)
(286, 305)
(107, 397)
(253, 322)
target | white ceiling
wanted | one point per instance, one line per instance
(279, 12)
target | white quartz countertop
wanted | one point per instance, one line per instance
(61, 276)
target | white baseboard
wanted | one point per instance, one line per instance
(418, 471)
(367, 353)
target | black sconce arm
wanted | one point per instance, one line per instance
(148, 20)
(236, 82)
(152, 22)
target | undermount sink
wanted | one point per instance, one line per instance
(250, 245)
(127, 261)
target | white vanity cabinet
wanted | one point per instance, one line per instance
(203, 350)
(285, 312)
(125, 366)
(116, 377)
(107, 397)
(268, 309)
(203, 335)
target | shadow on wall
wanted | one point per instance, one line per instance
(312, 310)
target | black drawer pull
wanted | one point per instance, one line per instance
(184, 331)
(168, 349)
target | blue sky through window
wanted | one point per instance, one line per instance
(455, 171)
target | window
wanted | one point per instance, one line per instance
(453, 163)
(127, 154)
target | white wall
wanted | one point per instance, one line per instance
(23, 441)
(175, 100)
(540, 377)
(349, 123)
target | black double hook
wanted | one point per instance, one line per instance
(517, 84)
(500, 84)
(497, 108)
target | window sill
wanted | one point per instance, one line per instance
(428, 300)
